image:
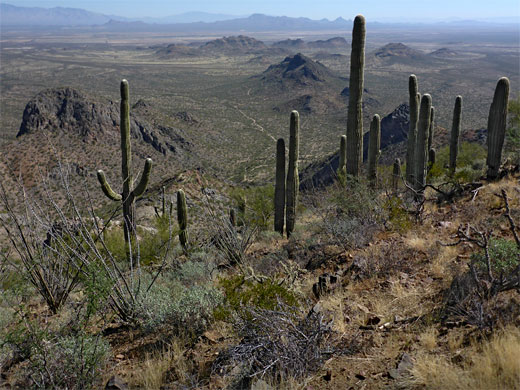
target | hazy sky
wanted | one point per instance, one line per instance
(405, 10)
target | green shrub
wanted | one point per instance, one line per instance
(241, 292)
(183, 300)
(470, 162)
(504, 256)
(397, 214)
(259, 205)
(152, 245)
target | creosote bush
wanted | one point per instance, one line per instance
(259, 206)
(241, 293)
(504, 253)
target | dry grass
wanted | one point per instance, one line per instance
(494, 365)
(428, 339)
(151, 373)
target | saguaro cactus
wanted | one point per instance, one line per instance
(279, 188)
(342, 169)
(421, 151)
(396, 174)
(182, 219)
(455, 133)
(412, 129)
(431, 158)
(497, 127)
(129, 194)
(432, 130)
(355, 111)
(374, 145)
(292, 174)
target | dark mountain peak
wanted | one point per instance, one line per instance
(69, 111)
(396, 50)
(234, 44)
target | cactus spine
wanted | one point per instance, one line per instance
(292, 185)
(374, 145)
(431, 132)
(412, 130)
(355, 111)
(421, 151)
(182, 219)
(396, 174)
(129, 194)
(497, 127)
(455, 133)
(279, 189)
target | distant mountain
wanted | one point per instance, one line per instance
(234, 45)
(443, 53)
(298, 71)
(175, 50)
(397, 50)
(190, 17)
(332, 43)
(291, 44)
(11, 15)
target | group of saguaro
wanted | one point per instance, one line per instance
(130, 193)
(420, 154)
(287, 187)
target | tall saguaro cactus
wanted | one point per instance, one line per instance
(432, 128)
(374, 146)
(342, 168)
(455, 133)
(497, 127)
(396, 174)
(129, 194)
(182, 219)
(279, 188)
(292, 185)
(412, 129)
(355, 111)
(421, 151)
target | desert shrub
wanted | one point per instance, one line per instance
(182, 300)
(259, 206)
(398, 216)
(276, 344)
(152, 245)
(349, 216)
(505, 256)
(67, 358)
(241, 292)
(470, 162)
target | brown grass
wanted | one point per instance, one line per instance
(494, 365)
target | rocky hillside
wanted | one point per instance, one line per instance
(394, 130)
(397, 50)
(65, 123)
(240, 44)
